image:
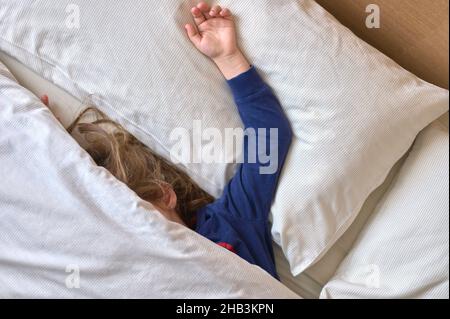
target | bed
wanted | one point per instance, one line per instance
(309, 283)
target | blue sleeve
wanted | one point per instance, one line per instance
(250, 192)
(238, 220)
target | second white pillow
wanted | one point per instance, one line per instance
(403, 251)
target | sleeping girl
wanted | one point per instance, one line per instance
(238, 220)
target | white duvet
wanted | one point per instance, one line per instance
(69, 229)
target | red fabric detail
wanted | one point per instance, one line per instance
(227, 246)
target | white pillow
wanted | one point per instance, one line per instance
(403, 250)
(354, 111)
(69, 229)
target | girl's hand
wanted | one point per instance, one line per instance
(215, 36)
(46, 101)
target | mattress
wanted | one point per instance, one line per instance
(308, 284)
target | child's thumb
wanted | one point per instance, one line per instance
(193, 35)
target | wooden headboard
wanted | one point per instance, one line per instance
(412, 32)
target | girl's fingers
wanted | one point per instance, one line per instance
(193, 35)
(204, 8)
(226, 13)
(44, 99)
(215, 11)
(199, 18)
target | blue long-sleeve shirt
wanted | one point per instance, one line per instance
(238, 220)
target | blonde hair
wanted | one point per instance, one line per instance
(133, 163)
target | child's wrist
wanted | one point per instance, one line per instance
(232, 65)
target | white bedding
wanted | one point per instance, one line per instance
(310, 283)
(403, 250)
(286, 84)
(69, 229)
(354, 111)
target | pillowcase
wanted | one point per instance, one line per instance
(403, 250)
(353, 110)
(69, 229)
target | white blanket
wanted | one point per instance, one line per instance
(70, 229)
